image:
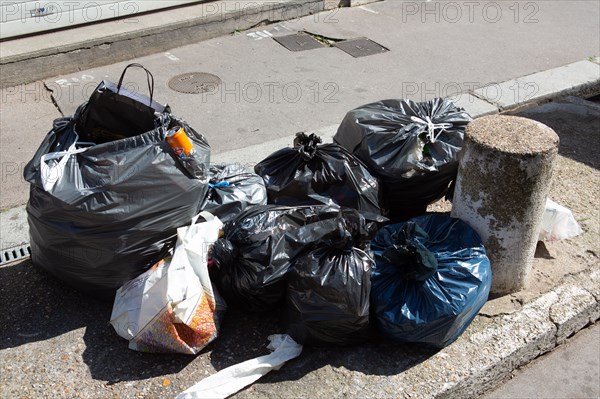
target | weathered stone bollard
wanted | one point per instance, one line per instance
(503, 180)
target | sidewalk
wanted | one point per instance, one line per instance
(56, 342)
(30, 58)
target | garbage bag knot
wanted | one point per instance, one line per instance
(307, 145)
(410, 255)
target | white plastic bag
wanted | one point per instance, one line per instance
(558, 223)
(173, 307)
(52, 165)
(234, 378)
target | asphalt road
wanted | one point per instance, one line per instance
(570, 371)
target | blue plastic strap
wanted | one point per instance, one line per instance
(219, 185)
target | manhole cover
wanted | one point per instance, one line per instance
(362, 47)
(298, 42)
(195, 83)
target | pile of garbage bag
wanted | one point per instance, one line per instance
(252, 259)
(411, 147)
(258, 248)
(124, 205)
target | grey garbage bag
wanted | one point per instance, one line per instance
(108, 212)
(232, 189)
(412, 147)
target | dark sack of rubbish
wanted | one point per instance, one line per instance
(102, 213)
(314, 174)
(251, 261)
(231, 190)
(412, 147)
(327, 299)
(431, 278)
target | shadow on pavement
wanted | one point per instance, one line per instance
(245, 336)
(108, 358)
(381, 358)
(37, 307)
(577, 123)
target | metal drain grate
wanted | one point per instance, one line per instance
(195, 83)
(299, 42)
(15, 253)
(362, 47)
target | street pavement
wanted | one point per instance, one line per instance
(55, 342)
(570, 371)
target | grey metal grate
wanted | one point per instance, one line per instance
(15, 253)
(299, 42)
(361, 47)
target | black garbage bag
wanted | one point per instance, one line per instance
(101, 214)
(252, 260)
(315, 174)
(431, 278)
(327, 299)
(412, 147)
(232, 188)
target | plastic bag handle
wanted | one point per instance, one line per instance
(51, 175)
(149, 77)
(205, 215)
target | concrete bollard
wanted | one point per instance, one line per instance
(503, 180)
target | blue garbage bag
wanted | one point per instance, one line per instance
(431, 278)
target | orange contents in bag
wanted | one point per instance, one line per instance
(180, 142)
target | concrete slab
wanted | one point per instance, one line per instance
(486, 38)
(251, 155)
(568, 320)
(26, 115)
(577, 79)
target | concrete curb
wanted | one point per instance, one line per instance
(210, 20)
(581, 79)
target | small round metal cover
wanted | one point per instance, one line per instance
(195, 83)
